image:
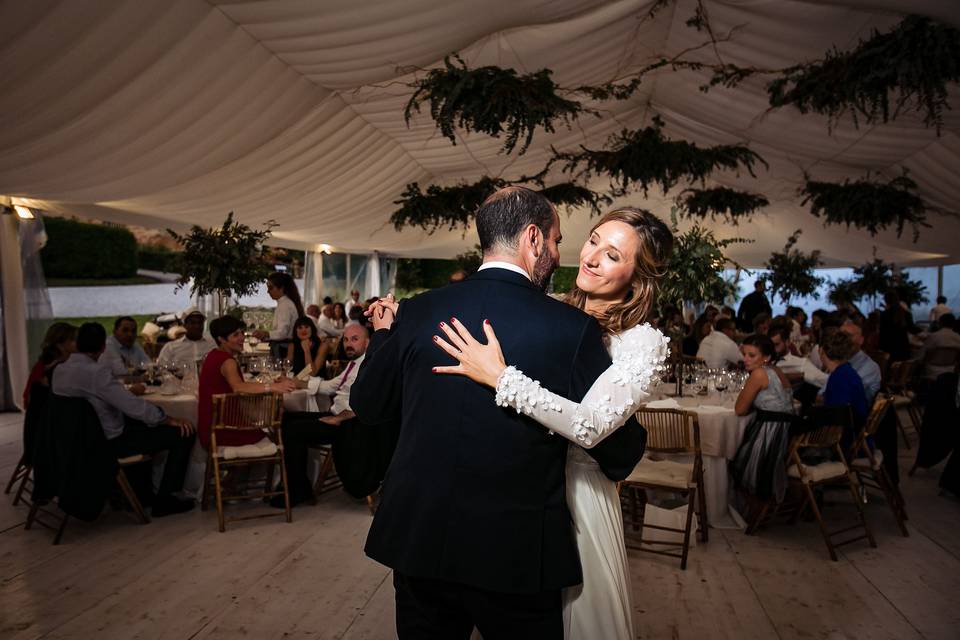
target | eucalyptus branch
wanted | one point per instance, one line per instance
(792, 273)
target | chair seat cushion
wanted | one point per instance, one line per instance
(864, 463)
(664, 473)
(262, 449)
(903, 400)
(818, 472)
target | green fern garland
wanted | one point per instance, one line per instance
(727, 204)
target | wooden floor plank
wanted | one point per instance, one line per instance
(179, 578)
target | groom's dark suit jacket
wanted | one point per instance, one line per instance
(475, 493)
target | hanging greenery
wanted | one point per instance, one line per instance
(229, 261)
(872, 280)
(492, 100)
(695, 270)
(727, 204)
(867, 204)
(792, 273)
(913, 62)
(646, 157)
(455, 206)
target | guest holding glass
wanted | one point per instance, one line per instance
(758, 466)
(282, 288)
(306, 350)
(124, 355)
(58, 343)
(221, 374)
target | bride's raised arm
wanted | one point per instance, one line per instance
(613, 398)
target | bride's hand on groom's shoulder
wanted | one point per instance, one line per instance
(481, 363)
(383, 312)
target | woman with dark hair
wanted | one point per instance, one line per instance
(621, 263)
(306, 350)
(339, 315)
(758, 466)
(702, 327)
(58, 343)
(220, 373)
(282, 288)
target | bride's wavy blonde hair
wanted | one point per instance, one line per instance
(649, 265)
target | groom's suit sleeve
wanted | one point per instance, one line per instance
(618, 453)
(376, 394)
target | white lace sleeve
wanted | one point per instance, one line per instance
(637, 355)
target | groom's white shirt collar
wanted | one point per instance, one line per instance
(494, 264)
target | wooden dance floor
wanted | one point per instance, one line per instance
(178, 578)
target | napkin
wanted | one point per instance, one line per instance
(668, 403)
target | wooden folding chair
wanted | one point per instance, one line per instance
(246, 412)
(327, 478)
(898, 380)
(867, 462)
(20, 477)
(669, 431)
(826, 439)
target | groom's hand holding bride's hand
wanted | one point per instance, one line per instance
(383, 312)
(481, 363)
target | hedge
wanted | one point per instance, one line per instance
(159, 258)
(82, 250)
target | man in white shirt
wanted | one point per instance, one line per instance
(131, 424)
(946, 337)
(304, 429)
(325, 324)
(940, 309)
(123, 354)
(718, 349)
(354, 299)
(193, 346)
(866, 368)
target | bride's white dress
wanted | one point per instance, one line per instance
(600, 608)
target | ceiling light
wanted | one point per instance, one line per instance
(23, 212)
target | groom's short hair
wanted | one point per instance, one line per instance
(507, 212)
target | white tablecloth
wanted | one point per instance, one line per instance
(184, 406)
(721, 431)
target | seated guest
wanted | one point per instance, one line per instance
(221, 374)
(944, 338)
(702, 327)
(356, 314)
(798, 319)
(728, 312)
(780, 333)
(758, 466)
(325, 323)
(718, 349)
(866, 368)
(761, 324)
(123, 353)
(844, 386)
(193, 346)
(313, 312)
(339, 315)
(58, 343)
(302, 429)
(131, 424)
(306, 350)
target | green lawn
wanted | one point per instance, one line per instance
(92, 282)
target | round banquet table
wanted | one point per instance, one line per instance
(184, 407)
(721, 431)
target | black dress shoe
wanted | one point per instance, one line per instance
(168, 505)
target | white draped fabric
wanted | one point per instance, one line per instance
(174, 112)
(14, 312)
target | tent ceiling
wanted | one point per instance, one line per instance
(171, 113)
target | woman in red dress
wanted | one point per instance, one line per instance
(221, 374)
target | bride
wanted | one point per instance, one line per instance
(620, 265)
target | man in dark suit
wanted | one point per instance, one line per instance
(473, 518)
(752, 305)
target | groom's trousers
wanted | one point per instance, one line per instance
(428, 609)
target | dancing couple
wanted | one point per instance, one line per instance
(499, 509)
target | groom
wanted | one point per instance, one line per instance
(473, 519)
